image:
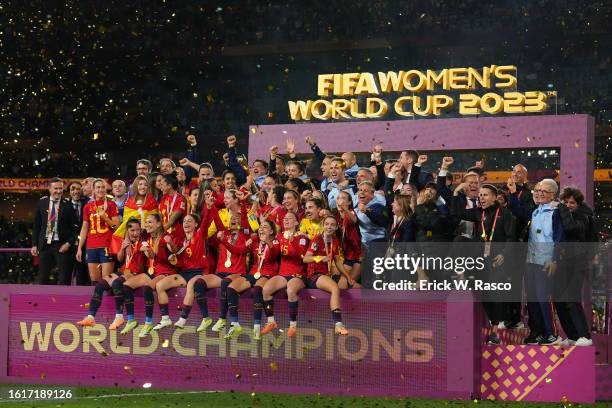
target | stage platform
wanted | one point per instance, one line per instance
(395, 348)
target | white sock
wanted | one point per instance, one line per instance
(118, 316)
(292, 324)
(165, 317)
(235, 324)
(91, 317)
(339, 324)
(271, 319)
(181, 321)
(257, 327)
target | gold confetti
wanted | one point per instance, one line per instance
(253, 130)
(253, 394)
(43, 376)
(95, 136)
(166, 343)
(238, 375)
(270, 115)
(104, 353)
(576, 144)
(273, 366)
(475, 401)
(548, 381)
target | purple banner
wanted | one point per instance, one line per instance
(393, 348)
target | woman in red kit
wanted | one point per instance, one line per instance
(291, 204)
(197, 284)
(324, 251)
(350, 239)
(157, 247)
(264, 252)
(232, 253)
(274, 204)
(132, 263)
(191, 260)
(172, 207)
(292, 246)
(100, 219)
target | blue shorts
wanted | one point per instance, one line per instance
(190, 273)
(311, 283)
(288, 278)
(351, 262)
(98, 255)
(252, 280)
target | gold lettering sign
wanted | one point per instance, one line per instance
(359, 95)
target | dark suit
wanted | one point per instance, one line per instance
(80, 268)
(67, 231)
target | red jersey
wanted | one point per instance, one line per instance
(278, 215)
(318, 248)
(292, 253)
(135, 259)
(168, 205)
(219, 203)
(159, 262)
(265, 258)
(193, 253)
(100, 233)
(232, 252)
(350, 237)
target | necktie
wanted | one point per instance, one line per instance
(76, 210)
(51, 223)
(474, 203)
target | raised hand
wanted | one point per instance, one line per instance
(511, 185)
(422, 159)
(310, 141)
(447, 161)
(191, 139)
(290, 146)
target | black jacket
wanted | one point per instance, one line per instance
(67, 223)
(405, 232)
(433, 223)
(505, 227)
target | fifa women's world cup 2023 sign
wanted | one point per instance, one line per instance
(362, 94)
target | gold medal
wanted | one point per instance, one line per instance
(151, 270)
(317, 258)
(228, 260)
(127, 270)
(172, 259)
(257, 275)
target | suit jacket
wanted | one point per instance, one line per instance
(67, 223)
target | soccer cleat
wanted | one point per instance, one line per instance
(269, 327)
(256, 334)
(180, 323)
(583, 342)
(146, 329)
(341, 330)
(219, 325)
(493, 339)
(165, 322)
(131, 325)
(291, 331)
(551, 340)
(117, 323)
(88, 321)
(501, 325)
(233, 332)
(207, 321)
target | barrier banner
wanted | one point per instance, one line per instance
(393, 348)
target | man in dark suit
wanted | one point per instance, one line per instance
(78, 203)
(54, 232)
